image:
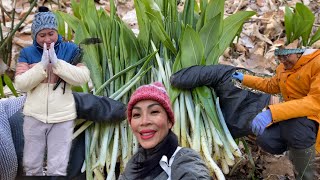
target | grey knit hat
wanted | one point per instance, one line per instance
(281, 52)
(44, 19)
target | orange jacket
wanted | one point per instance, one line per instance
(300, 88)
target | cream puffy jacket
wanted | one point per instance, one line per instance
(44, 103)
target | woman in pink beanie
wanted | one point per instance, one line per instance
(151, 118)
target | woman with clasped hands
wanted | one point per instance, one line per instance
(159, 155)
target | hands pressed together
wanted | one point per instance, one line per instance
(48, 56)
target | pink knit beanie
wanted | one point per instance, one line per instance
(156, 92)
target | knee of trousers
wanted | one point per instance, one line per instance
(271, 146)
(299, 133)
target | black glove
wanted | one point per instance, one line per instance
(238, 106)
(99, 108)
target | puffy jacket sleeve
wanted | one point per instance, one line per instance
(189, 166)
(306, 106)
(74, 75)
(195, 76)
(99, 108)
(28, 77)
(268, 85)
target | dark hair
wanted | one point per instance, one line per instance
(43, 9)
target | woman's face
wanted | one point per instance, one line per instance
(47, 36)
(149, 123)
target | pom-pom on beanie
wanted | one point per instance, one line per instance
(155, 92)
(44, 19)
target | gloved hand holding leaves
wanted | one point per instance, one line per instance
(237, 76)
(261, 121)
(52, 54)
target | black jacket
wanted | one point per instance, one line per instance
(238, 106)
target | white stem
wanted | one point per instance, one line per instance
(114, 153)
(190, 108)
(183, 132)
(234, 147)
(224, 166)
(196, 134)
(211, 162)
(160, 65)
(176, 111)
(207, 130)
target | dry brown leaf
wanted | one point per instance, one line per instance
(24, 13)
(306, 2)
(316, 45)
(7, 5)
(278, 43)
(261, 3)
(26, 29)
(274, 28)
(22, 5)
(23, 40)
(260, 36)
(226, 53)
(259, 48)
(3, 66)
(246, 41)
(272, 5)
(225, 61)
(130, 18)
(15, 55)
(240, 47)
(280, 166)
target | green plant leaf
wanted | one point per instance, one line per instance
(203, 5)
(214, 8)
(130, 42)
(159, 30)
(152, 8)
(174, 92)
(302, 22)
(288, 23)
(144, 26)
(91, 59)
(75, 8)
(1, 88)
(200, 21)
(188, 12)
(192, 50)
(315, 37)
(308, 18)
(210, 34)
(72, 21)
(61, 25)
(8, 82)
(231, 27)
(207, 101)
(77, 88)
(113, 10)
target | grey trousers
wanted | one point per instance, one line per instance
(55, 138)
